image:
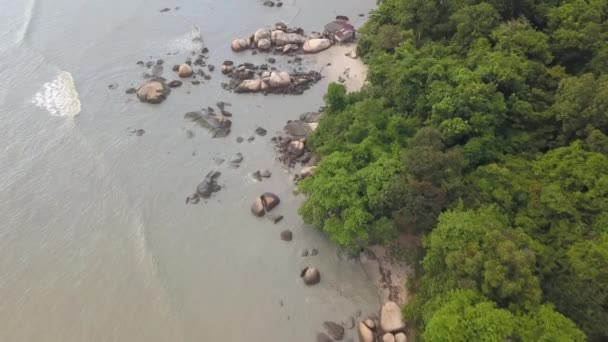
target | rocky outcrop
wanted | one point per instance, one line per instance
(249, 86)
(321, 337)
(316, 45)
(299, 128)
(184, 71)
(249, 78)
(366, 334)
(261, 34)
(311, 276)
(153, 91)
(390, 318)
(335, 330)
(264, 44)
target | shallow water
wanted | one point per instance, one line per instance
(96, 243)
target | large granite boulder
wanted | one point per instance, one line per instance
(184, 71)
(279, 79)
(365, 333)
(153, 91)
(249, 86)
(239, 44)
(311, 276)
(279, 38)
(316, 45)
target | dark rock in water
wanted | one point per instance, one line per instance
(236, 159)
(207, 77)
(335, 330)
(112, 86)
(254, 52)
(140, 132)
(268, 3)
(131, 91)
(209, 185)
(321, 337)
(239, 140)
(271, 60)
(217, 125)
(149, 64)
(265, 203)
(251, 138)
(221, 105)
(257, 176)
(211, 67)
(286, 235)
(218, 161)
(275, 218)
(314, 252)
(310, 275)
(196, 82)
(349, 323)
(160, 62)
(265, 174)
(228, 63)
(166, 9)
(361, 15)
(140, 63)
(279, 4)
(205, 50)
(226, 113)
(261, 131)
(304, 253)
(175, 68)
(175, 83)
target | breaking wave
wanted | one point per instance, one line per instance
(59, 97)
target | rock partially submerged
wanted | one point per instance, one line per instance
(154, 90)
(219, 126)
(335, 330)
(265, 203)
(310, 276)
(206, 188)
(316, 45)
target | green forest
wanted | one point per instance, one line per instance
(483, 129)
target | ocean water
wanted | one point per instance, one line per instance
(96, 242)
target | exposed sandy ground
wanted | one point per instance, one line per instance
(351, 70)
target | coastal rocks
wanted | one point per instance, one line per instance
(279, 38)
(321, 337)
(286, 235)
(206, 188)
(153, 91)
(279, 79)
(390, 318)
(185, 71)
(335, 330)
(316, 45)
(264, 44)
(366, 334)
(261, 34)
(240, 44)
(310, 276)
(310, 117)
(249, 78)
(218, 126)
(296, 148)
(264, 203)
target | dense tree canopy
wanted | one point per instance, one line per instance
(484, 128)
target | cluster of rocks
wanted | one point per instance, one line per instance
(155, 88)
(282, 39)
(206, 188)
(291, 148)
(391, 327)
(259, 174)
(250, 78)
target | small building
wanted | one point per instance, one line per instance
(340, 30)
